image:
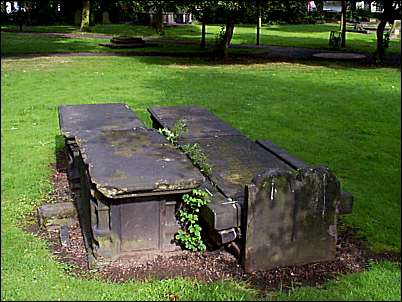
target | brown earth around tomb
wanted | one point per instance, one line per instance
(351, 256)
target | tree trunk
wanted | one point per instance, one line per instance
(386, 16)
(228, 33)
(227, 37)
(28, 7)
(20, 15)
(158, 24)
(85, 16)
(380, 39)
(203, 44)
(343, 24)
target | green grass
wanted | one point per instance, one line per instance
(26, 43)
(366, 286)
(343, 116)
(311, 35)
(12, 43)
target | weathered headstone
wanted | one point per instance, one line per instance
(105, 18)
(291, 218)
(77, 17)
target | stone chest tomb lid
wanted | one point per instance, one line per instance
(199, 121)
(76, 118)
(136, 161)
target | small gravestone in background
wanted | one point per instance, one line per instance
(77, 17)
(105, 18)
(396, 30)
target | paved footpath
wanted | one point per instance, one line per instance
(269, 52)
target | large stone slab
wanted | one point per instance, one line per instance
(76, 118)
(235, 160)
(200, 122)
(122, 162)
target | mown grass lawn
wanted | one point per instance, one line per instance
(345, 117)
(302, 35)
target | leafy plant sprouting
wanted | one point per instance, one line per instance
(190, 234)
(173, 135)
(197, 157)
(193, 151)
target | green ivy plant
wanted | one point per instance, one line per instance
(173, 135)
(190, 233)
(197, 157)
(193, 151)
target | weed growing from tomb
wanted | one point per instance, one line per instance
(190, 233)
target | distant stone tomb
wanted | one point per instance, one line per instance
(127, 42)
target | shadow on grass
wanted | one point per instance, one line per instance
(190, 60)
(16, 45)
(13, 43)
(41, 29)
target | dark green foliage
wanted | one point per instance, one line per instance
(190, 234)
(173, 135)
(362, 15)
(284, 11)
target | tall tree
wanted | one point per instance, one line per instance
(202, 11)
(85, 15)
(20, 15)
(231, 12)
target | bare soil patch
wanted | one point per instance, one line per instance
(352, 256)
